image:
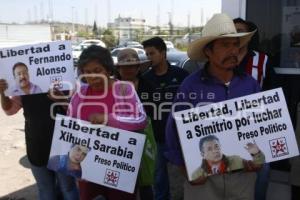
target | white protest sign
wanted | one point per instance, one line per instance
(223, 130)
(100, 154)
(33, 69)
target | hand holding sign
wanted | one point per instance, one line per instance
(98, 118)
(252, 148)
(199, 181)
(57, 96)
(3, 86)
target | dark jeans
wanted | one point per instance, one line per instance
(262, 182)
(295, 192)
(146, 192)
(47, 181)
(161, 182)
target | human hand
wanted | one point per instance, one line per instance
(57, 96)
(199, 181)
(97, 118)
(3, 86)
(252, 148)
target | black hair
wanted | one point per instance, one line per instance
(117, 74)
(254, 42)
(18, 64)
(98, 54)
(74, 144)
(155, 42)
(239, 20)
(206, 139)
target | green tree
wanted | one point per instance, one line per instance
(95, 29)
(109, 38)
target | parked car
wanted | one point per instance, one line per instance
(132, 44)
(141, 53)
(176, 57)
(83, 45)
(93, 42)
(191, 65)
(77, 51)
(169, 45)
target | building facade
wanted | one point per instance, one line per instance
(127, 28)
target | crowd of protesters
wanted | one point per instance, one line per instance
(234, 67)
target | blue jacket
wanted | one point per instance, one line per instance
(198, 89)
(59, 163)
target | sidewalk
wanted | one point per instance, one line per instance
(17, 181)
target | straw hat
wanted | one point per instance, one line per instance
(219, 26)
(128, 57)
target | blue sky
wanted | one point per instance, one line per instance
(85, 11)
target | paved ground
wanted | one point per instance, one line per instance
(16, 179)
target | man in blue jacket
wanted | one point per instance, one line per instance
(218, 81)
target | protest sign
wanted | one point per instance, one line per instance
(97, 153)
(33, 69)
(219, 137)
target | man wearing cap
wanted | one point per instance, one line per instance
(217, 81)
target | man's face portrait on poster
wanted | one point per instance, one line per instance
(211, 151)
(78, 153)
(21, 75)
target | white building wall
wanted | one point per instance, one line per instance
(11, 35)
(234, 8)
(124, 28)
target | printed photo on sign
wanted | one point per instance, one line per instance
(36, 68)
(100, 154)
(236, 134)
(69, 163)
(214, 161)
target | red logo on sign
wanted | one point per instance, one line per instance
(111, 177)
(278, 147)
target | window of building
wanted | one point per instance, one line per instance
(279, 29)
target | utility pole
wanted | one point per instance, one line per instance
(108, 11)
(158, 19)
(50, 16)
(189, 27)
(42, 11)
(73, 28)
(170, 23)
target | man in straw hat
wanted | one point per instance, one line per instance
(217, 81)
